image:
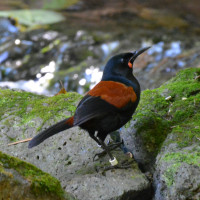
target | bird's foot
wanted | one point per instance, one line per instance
(103, 153)
(110, 147)
(124, 165)
(113, 146)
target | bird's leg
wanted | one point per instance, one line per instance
(118, 140)
(112, 160)
(94, 138)
(109, 147)
(124, 165)
(103, 145)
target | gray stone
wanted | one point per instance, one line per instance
(177, 174)
(68, 156)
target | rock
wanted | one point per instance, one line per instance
(177, 173)
(165, 137)
(21, 180)
(67, 156)
(117, 184)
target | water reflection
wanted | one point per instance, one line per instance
(91, 75)
(30, 85)
(107, 48)
(36, 61)
(174, 50)
(49, 68)
(4, 56)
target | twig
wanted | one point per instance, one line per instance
(21, 141)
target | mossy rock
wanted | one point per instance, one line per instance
(157, 115)
(21, 180)
(68, 156)
(167, 126)
(26, 107)
(168, 129)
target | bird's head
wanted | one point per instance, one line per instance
(122, 64)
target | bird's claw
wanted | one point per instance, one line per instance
(124, 165)
(103, 153)
(113, 146)
(110, 148)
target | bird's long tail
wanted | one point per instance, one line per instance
(52, 130)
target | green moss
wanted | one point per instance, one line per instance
(156, 129)
(178, 116)
(191, 158)
(28, 106)
(138, 176)
(41, 182)
(151, 121)
(176, 159)
(170, 172)
(187, 132)
(157, 117)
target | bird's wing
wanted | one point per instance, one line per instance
(105, 97)
(91, 107)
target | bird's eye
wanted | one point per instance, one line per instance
(121, 60)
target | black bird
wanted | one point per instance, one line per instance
(106, 107)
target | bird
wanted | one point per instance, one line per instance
(106, 107)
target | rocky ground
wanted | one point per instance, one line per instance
(69, 156)
(164, 137)
(164, 132)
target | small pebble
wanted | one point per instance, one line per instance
(197, 77)
(168, 98)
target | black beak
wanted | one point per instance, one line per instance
(137, 53)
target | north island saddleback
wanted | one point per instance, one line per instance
(105, 108)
